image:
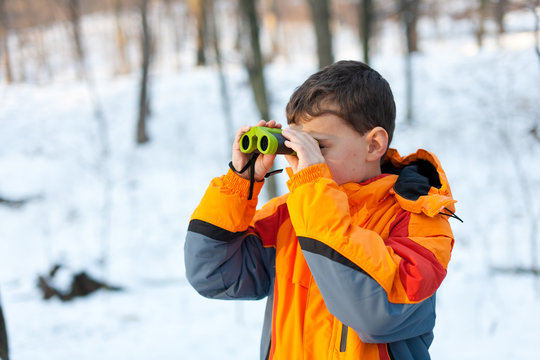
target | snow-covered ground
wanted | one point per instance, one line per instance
(123, 217)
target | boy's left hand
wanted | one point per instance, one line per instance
(306, 147)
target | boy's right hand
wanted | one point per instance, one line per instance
(239, 159)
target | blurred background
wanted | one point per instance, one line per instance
(116, 114)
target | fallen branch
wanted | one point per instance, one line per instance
(17, 203)
(82, 284)
(515, 270)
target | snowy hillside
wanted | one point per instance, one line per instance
(123, 216)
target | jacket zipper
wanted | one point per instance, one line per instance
(343, 342)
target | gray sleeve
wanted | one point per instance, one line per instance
(224, 265)
(359, 302)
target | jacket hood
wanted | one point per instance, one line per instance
(421, 186)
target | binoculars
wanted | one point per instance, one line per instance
(264, 140)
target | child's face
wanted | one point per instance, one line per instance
(343, 148)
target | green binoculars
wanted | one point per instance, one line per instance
(264, 140)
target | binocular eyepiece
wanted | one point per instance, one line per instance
(264, 140)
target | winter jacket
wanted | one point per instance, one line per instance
(350, 271)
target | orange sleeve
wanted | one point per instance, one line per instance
(225, 203)
(402, 264)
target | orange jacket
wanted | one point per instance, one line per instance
(350, 271)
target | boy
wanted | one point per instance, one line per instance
(351, 257)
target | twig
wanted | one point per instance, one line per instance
(19, 202)
(534, 6)
(515, 270)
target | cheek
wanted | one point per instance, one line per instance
(346, 166)
(337, 169)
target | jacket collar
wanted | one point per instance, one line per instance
(417, 181)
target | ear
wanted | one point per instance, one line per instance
(377, 143)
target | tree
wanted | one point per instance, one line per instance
(501, 6)
(74, 10)
(175, 24)
(4, 346)
(42, 52)
(366, 20)
(272, 24)
(409, 17)
(255, 68)
(534, 5)
(213, 27)
(144, 99)
(199, 8)
(320, 13)
(253, 57)
(4, 45)
(482, 14)
(124, 65)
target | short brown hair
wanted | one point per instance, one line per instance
(362, 96)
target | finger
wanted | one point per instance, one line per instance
(271, 123)
(274, 124)
(299, 137)
(244, 129)
(298, 148)
(267, 161)
(293, 161)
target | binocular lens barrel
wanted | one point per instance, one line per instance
(245, 142)
(263, 144)
(264, 140)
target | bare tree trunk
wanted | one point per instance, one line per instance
(7, 62)
(4, 345)
(272, 23)
(409, 17)
(144, 99)
(21, 61)
(482, 14)
(41, 53)
(124, 66)
(535, 130)
(501, 6)
(255, 69)
(176, 28)
(198, 8)
(213, 27)
(4, 45)
(366, 17)
(409, 88)
(535, 4)
(74, 8)
(253, 60)
(320, 13)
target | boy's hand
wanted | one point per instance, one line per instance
(306, 147)
(239, 159)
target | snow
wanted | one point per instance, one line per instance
(473, 108)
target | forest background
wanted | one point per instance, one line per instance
(115, 115)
